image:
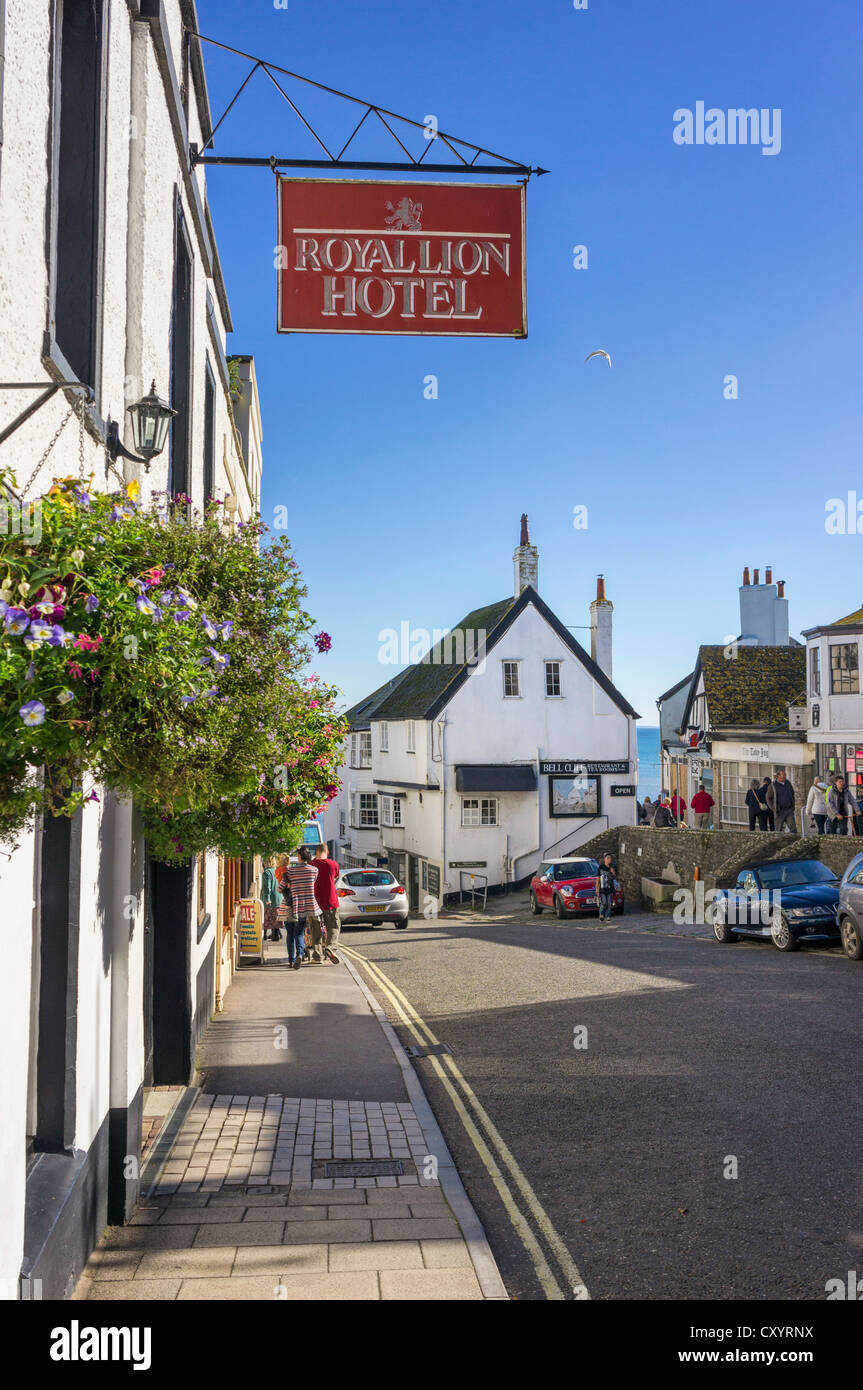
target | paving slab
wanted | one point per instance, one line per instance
(429, 1284)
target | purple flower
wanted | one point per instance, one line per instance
(58, 637)
(40, 631)
(208, 626)
(227, 627)
(182, 615)
(82, 498)
(323, 641)
(30, 672)
(220, 660)
(17, 620)
(92, 797)
(187, 699)
(33, 712)
(91, 603)
(146, 605)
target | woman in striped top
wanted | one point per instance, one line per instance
(298, 890)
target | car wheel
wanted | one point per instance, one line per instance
(559, 909)
(781, 934)
(618, 911)
(721, 929)
(402, 925)
(852, 941)
(534, 905)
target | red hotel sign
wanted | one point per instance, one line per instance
(385, 257)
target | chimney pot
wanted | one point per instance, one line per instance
(768, 575)
(525, 536)
(756, 576)
(781, 587)
(746, 575)
(600, 588)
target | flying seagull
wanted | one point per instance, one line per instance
(599, 352)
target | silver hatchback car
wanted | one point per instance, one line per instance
(370, 895)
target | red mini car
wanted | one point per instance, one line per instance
(569, 887)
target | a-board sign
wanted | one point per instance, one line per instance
(251, 927)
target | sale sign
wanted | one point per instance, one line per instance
(383, 257)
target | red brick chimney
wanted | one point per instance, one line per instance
(768, 575)
(746, 575)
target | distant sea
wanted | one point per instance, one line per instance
(649, 765)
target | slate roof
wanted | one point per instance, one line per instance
(422, 690)
(359, 715)
(752, 689)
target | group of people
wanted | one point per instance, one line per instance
(667, 811)
(833, 807)
(771, 804)
(306, 891)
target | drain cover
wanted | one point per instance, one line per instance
(363, 1168)
(432, 1051)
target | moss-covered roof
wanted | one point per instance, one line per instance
(427, 681)
(422, 690)
(854, 618)
(751, 687)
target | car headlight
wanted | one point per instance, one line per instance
(567, 890)
(795, 913)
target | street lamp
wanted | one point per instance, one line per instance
(151, 417)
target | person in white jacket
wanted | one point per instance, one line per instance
(816, 804)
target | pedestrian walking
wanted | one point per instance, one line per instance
(837, 808)
(780, 800)
(272, 900)
(662, 817)
(606, 874)
(702, 805)
(853, 804)
(647, 810)
(816, 805)
(755, 807)
(762, 797)
(678, 808)
(327, 926)
(298, 889)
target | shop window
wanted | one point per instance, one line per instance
(844, 674)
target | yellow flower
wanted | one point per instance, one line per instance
(133, 490)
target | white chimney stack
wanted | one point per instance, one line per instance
(525, 561)
(600, 627)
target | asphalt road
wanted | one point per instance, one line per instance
(696, 1054)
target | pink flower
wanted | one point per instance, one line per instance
(83, 643)
(74, 670)
(154, 576)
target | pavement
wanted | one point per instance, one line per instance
(310, 1165)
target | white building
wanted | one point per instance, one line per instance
(834, 703)
(727, 723)
(109, 275)
(506, 743)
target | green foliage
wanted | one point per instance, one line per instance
(161, 657)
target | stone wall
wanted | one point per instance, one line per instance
(719, 855)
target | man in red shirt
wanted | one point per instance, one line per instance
(702, 805)
(328, 901)
(678, 808)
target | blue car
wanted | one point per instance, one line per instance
(787, 902)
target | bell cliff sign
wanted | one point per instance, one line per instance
(381, 257)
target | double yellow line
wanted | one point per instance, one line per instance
(459, 1091)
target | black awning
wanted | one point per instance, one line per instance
(495, 777)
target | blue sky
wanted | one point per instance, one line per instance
(704, 261)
